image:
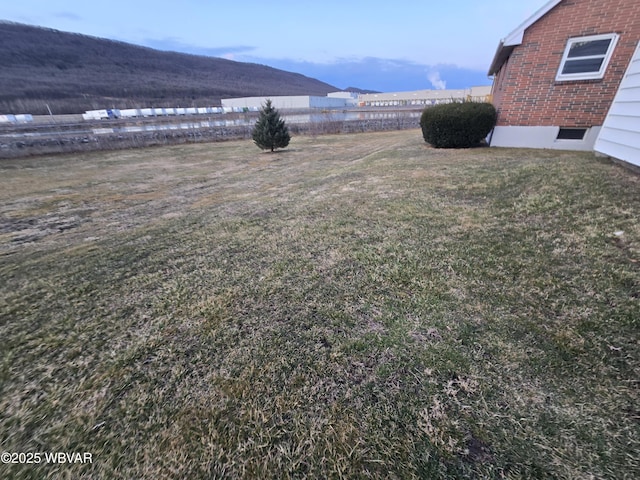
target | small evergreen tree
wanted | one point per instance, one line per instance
(270, 131)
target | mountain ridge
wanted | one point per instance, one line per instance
(44, 68)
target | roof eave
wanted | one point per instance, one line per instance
(516, 36)
(498, 59)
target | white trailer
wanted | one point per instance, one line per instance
(24, 118)
(98, 114)
(95, 115)
(129, 113)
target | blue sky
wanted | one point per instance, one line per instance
(386, 46)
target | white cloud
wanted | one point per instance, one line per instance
(436, 81)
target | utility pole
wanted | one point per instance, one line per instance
(50, 114)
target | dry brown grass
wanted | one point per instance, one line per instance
(356, 306)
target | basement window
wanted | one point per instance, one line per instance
(571, 134)
(586, 58)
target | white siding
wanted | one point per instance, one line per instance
(620, 134)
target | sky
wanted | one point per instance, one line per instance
(386, 46)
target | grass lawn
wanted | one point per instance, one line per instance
(356, 306)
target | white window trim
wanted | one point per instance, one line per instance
(560, 77)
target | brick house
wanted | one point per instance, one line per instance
(557, 74)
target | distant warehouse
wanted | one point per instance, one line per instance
(293, 102)
(424, 97)
(349, 99)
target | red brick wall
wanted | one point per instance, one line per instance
(525, 91)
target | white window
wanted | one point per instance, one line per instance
(586, 58)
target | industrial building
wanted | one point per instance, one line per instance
(295, 102)
(424, 97)
(333, 101)
(350, 99)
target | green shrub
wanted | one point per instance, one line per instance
(457, 125)
(270, 131)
